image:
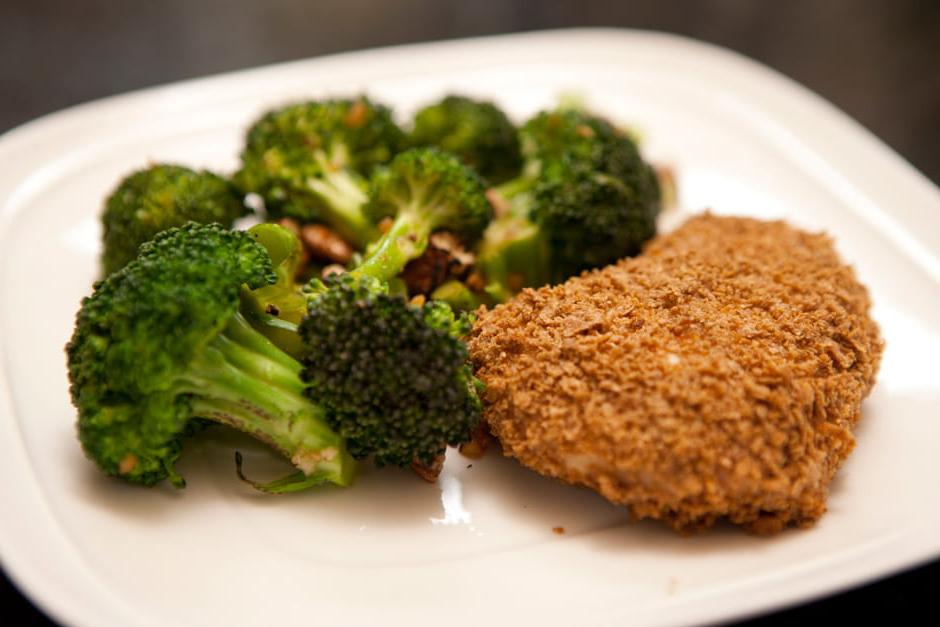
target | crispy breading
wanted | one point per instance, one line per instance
(719, 374)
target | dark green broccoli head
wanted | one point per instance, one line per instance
(593, 214)
(585, 199)
(158, 198)
(309, 160)
(553, 134)
(137, 334)
(476, 131)
(436, 188)
(393, 377)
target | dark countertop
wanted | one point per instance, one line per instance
(875, 60)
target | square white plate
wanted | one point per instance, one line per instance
(478, 545)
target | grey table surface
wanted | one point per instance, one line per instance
(876, 60)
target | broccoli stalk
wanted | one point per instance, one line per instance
(344, 193)
(160, 346)
(275, 310)
(425, 190)
(457, 295)
(245, 382)
(513, 253)
(309, 161)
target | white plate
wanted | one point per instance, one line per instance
(479, 545)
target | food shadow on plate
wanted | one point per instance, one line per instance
(388, 497)
(578, 513)
(494, 490)
(147, 505)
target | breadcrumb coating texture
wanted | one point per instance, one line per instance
(720, 374)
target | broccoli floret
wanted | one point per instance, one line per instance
(157, 198)
(161, 343)
(425, 190)
(394, 378)
(554, 134)
(476, 131)
(550, 136)
(310, 161)
(376, 364)
(585, 199)
(594, 213)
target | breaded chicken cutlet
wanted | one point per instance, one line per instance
(719, 374)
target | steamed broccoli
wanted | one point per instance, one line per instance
(595, 213)
(553, 135)
(476, 131)
(394, 378)
(157, 198)
(310, 161)
(161, 343)
(585, 199)
(425, 190)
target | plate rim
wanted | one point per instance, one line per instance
(56, 594)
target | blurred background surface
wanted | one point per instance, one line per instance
(877, 60)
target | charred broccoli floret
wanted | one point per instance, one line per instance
(161, 343)
(477, 131)
(585, 199)
(424, 190)
(394, 378)
(157, 198)
(310, 161)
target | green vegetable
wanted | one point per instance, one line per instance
(310, 161)
(425, 190)
(476, 131)
(157, 198)
(585, 198)
(161, 346)
(275, 310)
(457, 295)
(394, 378)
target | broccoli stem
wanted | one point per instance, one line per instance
(407, 239)
(344, 195)
(457, 295)
(519, 185)
(284, 249)
(242, 380)
(514, 253)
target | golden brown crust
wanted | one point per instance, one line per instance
(718, 375)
